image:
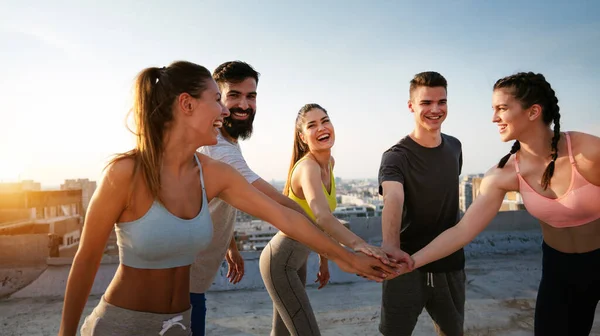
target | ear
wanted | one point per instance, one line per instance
(303, 138)
(410, 106)
(186, 103)
(535, 112)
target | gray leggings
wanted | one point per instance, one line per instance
(283, 269)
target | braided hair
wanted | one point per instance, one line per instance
(531, 88)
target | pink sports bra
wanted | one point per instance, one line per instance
(579, 205)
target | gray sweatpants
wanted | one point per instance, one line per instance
(110, 320)
(283, 269)
(441, 294)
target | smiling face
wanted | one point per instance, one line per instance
(240, 100)
(429, 105)
(317, 130)
(510, 116)
(202, 117)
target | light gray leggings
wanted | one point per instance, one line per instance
(283, 269)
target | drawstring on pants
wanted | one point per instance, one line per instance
(168, 324)
(430, 279)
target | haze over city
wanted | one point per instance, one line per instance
(68, 69)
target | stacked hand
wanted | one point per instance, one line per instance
(407, 264)
(367, 267)
(374, 251)
(397, 261)
(389, 255)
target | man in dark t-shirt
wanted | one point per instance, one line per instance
(418, 178)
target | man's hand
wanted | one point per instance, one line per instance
(235, 271)
(375, 252)
(405, 261)
(367, 267)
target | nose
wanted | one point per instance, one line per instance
(435, 108)
(224, 111)
(495, 117)
(244, 104)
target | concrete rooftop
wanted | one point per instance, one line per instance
(500, 301)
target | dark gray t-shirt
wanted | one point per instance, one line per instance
(430, 178)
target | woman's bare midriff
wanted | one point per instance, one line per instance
(160, 291)
(579, 239)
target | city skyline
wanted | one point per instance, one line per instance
(69, 70)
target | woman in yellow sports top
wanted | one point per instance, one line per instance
(311, 184)
(156, 197)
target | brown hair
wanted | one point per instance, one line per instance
(429, 79)
(300, 148)
(530, 88)
(234, 72)
(155, 91)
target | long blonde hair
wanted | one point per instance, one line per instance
(155, 92)
(300, 147)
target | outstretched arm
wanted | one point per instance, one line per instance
(278, 197)
(237, 192)
(309, 174)
(391, 220)
(106, 205)
(477, 217)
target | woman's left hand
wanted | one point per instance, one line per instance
(323, 275)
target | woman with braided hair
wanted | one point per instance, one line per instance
(558, 176)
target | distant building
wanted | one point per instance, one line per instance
(56, 213)
(87, 189)
(512, 202)
(254, 240)
(467, 189)
(15, 187)
(344, 211)
(378, 210)
(253, 235)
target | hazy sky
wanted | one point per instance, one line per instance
(68, 69)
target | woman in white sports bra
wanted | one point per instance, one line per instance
(157, 194)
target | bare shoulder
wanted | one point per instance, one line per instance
(115, 186)
(213, 169)
(218, 175)
(586, 145)
(332, 162)
(504, 178)
(119, 173)
(206, 161)
(307, 165)
(586, 151)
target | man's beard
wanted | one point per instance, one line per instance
(239, 128)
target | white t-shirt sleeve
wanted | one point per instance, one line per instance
(230, 154)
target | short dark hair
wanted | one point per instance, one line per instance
(234, 72)
(429, 79)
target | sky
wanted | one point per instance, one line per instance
(68, 70)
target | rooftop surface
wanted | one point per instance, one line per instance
(501, 294)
